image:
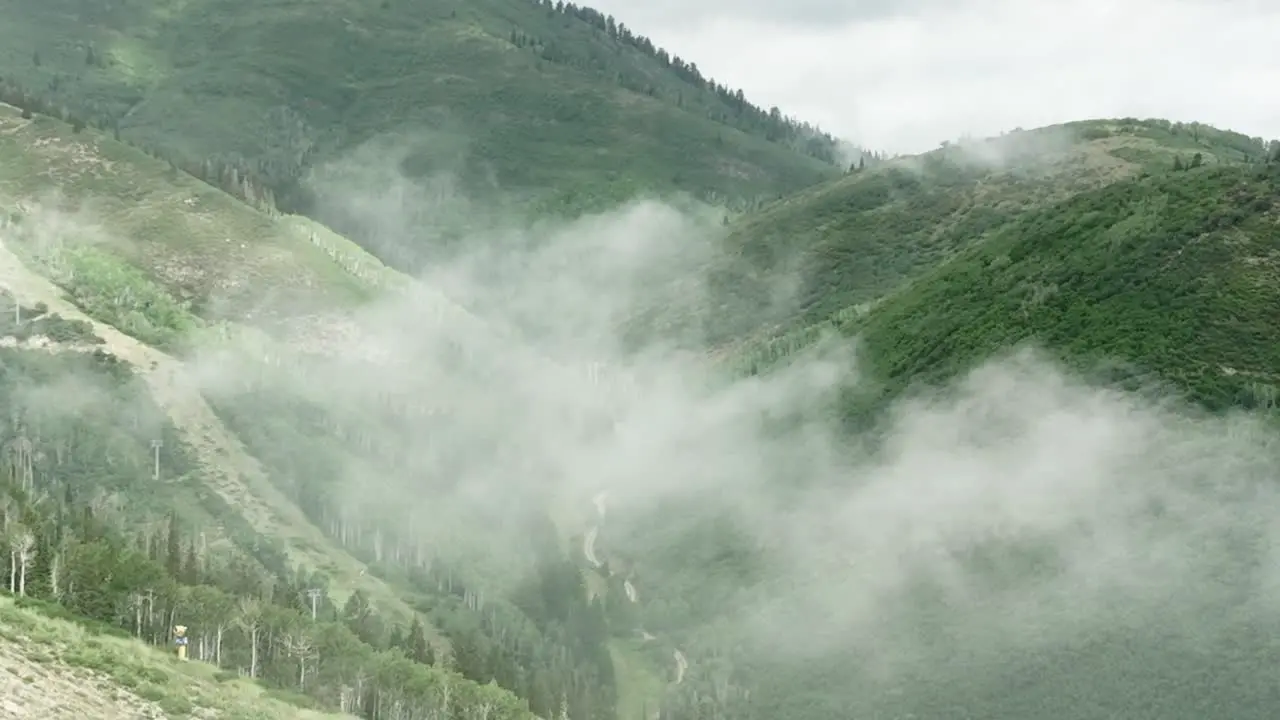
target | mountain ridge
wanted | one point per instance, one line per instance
(857, 239)
(551, 68)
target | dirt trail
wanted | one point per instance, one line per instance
(54, 691)
(589, 546)
(228, 468)
(682, 664)
(589, 540)
(589, 549)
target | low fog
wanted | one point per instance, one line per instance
(1019, 510)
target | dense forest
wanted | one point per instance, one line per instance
(556, 137)
(734, 108)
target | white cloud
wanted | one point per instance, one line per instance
(906, 79)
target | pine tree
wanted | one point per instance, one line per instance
(418, 649)
(191, 566)
(173, 555)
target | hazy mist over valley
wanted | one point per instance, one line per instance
(557, 379)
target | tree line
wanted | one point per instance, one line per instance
(255, 182)
(730, 106)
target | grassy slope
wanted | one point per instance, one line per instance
(215, 260)
(855, 239)
(203, 246)
(288, 83)
(59, 669)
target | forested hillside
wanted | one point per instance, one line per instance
(844, 244)
(1170, 278)
(1160, 281)
(538, 105)
(194, 478)
(1191, 194)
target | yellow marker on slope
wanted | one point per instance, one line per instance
(180, 639)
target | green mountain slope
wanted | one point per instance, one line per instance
(87, 524)
(1172, 275)
(1165, 283)
(554, 103)
(1164, 275)
(288, 461)
(843, 244)
(204, 249)
(252, 499)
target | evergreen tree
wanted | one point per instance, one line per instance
(417, 646)
(191, 566)
(173, 554)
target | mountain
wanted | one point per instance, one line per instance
(372, 493)
(1199, 174)
(1169, 276)
(551, 106)
(846, 243)
(139, 486)
(1157, 279)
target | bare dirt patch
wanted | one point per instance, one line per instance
(32, 688)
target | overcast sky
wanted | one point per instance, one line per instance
(904, 75)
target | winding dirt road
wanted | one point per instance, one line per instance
(589, 546)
